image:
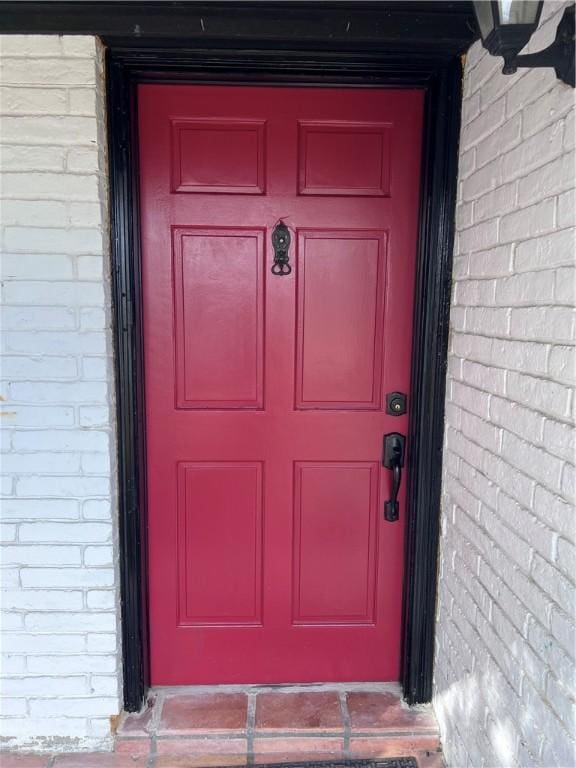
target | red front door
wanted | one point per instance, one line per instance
(269, 556)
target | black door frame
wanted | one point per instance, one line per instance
(440, 76)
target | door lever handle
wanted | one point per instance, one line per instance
(393, 458)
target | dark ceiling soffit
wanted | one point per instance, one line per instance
(446, 26)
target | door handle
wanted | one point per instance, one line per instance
(393, 458)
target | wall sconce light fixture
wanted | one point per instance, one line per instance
(506, 27)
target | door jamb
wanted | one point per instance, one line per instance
(441, 80)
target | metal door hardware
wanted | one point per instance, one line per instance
(281, 244)
(396, 403)
(393, 458)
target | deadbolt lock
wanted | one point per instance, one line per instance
(396, 403)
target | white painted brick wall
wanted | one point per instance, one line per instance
(60, 659)
(504, 679)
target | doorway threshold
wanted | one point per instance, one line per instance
(209, 726)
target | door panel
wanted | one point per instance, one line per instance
(340, 313)
(335, 517)
(269, 558)
(224, 156)
(219, 334)
(362, 154)
(220, 543)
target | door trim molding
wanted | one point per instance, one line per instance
(441, 80)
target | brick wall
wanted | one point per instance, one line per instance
(505, 638)
(59, 645)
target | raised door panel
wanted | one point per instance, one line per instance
(344, 158)
(335, 520)
(341, 282)
(220, 543)
(217, 155)
(219, 323)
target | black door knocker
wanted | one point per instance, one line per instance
(281, 243)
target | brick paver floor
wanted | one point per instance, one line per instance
(215, 727)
